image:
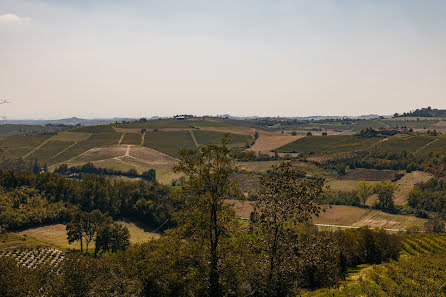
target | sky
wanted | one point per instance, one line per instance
(135, 58)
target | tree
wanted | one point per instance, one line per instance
(385, 195)
(286, 198)
(74, 229)
(205, 219)
(111, 237)
(309, 134)
(90, 224)
(84, 227)
(364, 189)
(149, 175)
(3, 233)
(256, 135)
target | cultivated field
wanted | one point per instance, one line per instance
(328, 144)
(268, 141)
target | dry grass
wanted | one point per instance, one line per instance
(56, 235)
(345, 216)
(149, 155)
(258, 166)
(243, 209)
(341, 215)
(359, 217)
(100, 153)
(268, 141)
(406, 184)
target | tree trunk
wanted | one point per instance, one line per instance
(214, 289)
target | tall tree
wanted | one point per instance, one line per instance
(385, 192)
(286, 198)
(364, 189)
(205, 219)
(74, 230)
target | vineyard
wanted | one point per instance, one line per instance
(31, 258)
(419, 272)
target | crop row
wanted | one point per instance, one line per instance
(33, 257)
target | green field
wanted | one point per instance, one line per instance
(94, 129)
(49, 150)
(328, 144)
(212, 137)
(17, 146)
(132, 138)
(169, 142)
(406, 143)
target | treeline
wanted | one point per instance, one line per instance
(429, 196)
(90, 168)
(434, 163)
(99, 228)
(32, 199)
(424, 112)
(25, 207)
(359, 196)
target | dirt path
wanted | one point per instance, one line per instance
(143, 136)
(193, 138)
(121, 139)
(36, 148)
(127, 152)
(426, 145)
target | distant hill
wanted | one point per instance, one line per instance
(68, 121)
(424, 112)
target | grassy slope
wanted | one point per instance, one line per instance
(49, 150)
(56, 236)
(401, 143)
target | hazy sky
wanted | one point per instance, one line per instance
(243, 57)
